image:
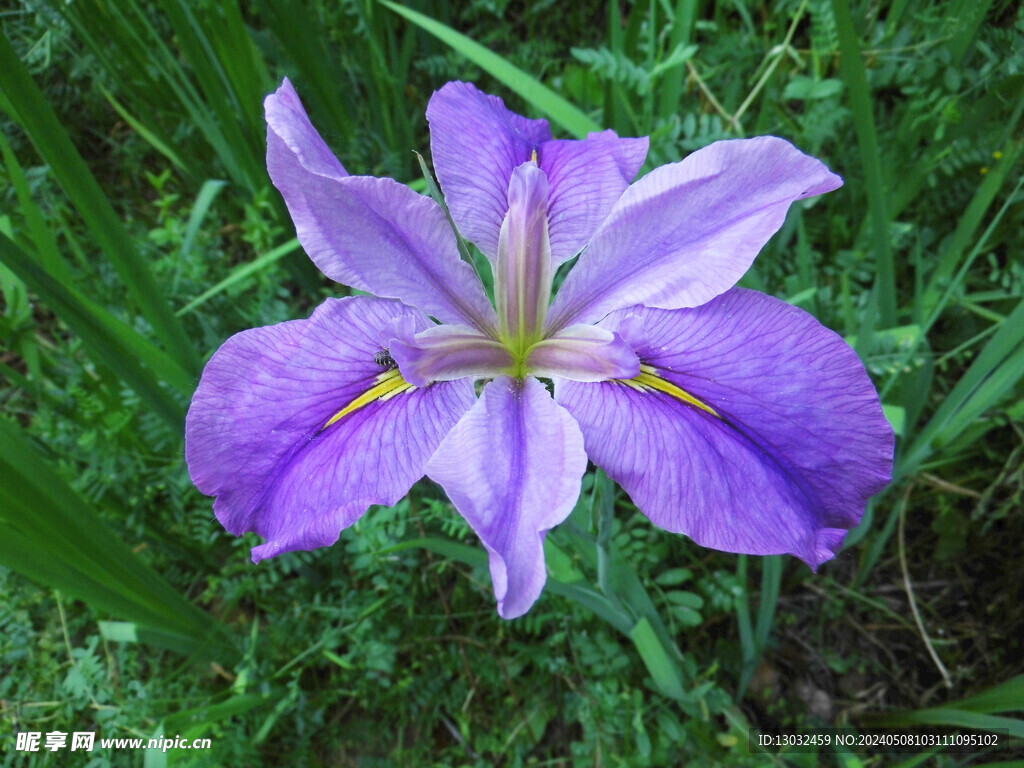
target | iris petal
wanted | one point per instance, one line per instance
(583, 353)
(796, 445)
(523, 269)
(297, 428)
(447, 352)
(512, 466)
(373, 234)
(586, 177)
(476, 142)
(291, 125)
(686, 232)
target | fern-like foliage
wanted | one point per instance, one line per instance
(616, 67)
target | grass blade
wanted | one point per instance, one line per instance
(967, 227)
(53, 536)
(1005, 697)
(46, 132)
(207, 194)
(957, 718)
(533, 92)
(241, 272)
(317, 67)
(994, 373)
(112, 343)
(670, 94)
(862, 106)
(43, 236)
(151, 138)
(664, 671)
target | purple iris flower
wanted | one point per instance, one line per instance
(724, 413)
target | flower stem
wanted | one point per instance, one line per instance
(602, 508)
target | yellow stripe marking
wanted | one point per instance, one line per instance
(389, 384)
(533, 156)
(649, 379)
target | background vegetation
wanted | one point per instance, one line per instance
(138, 230)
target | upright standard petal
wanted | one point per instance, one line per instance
(297, 428)
(752, 428)
(686, 232)
(512, 466)
(373, 234)
(292, 126)
(476, 142)
(586, 177)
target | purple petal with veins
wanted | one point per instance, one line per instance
(512, 467)
(688, 231)
(725, 414)
(373, 234)
(795, 447)
(476, 143)
(523, 270)
(256, 436)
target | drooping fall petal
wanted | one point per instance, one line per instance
(779, 447)
(297, 428)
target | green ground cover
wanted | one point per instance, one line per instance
(139, 229)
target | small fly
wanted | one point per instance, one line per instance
(384, 359)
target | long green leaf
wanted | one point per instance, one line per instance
(958, 718)
(49, 137)
(209, 191)
(146, 133)
(53, 536)
(241, 272)
(862, 106)
(111, 342)
(1005, 697)
(533, 92)
(43, 236)
(664, 671)
(967, 227)
(317, 67)
(670, 93)
(235, 111)
(992, 375)
(969, 15)
(755, 640)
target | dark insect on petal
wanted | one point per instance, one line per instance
(384, 359)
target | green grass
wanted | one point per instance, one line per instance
(138, 230)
